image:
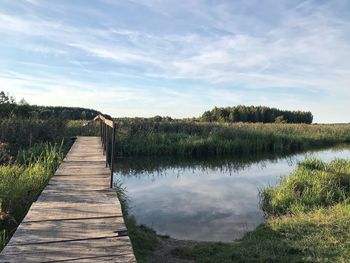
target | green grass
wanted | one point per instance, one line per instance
(313, 185)
(21, 183)
(319, 236)
(148, 137)
(183, 138)
(24, 133)
(313, 223)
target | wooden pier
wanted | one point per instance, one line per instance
(77, 218)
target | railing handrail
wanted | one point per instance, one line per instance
(107, 127)
(110, 123)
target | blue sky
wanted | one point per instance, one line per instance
(178, 58)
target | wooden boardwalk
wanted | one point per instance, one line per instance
(77, 218)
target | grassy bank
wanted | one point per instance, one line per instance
(313, 208)
(312, 226)
(22, 182)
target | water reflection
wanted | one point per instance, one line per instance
(205, 199)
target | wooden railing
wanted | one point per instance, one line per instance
(107, 133)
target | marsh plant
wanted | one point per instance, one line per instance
(312, 185)
(24, 133)
(184, 138)
(22, 182)
(147, 137)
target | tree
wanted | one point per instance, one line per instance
(23, 102)
(256, 114)
(4, 98)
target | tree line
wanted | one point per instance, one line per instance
(262, 114)
(10, 108)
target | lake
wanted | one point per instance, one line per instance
(205, 199)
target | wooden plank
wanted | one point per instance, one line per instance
(113, 249)
(72, 210)
(66, 230)
(77, 217)
(96, 197)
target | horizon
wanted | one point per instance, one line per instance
(149, 57)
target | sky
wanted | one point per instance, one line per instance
(178, 58)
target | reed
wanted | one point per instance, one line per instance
(167, 137)
(81, 128)
(22, 182)
(25, 133)
(147, 137)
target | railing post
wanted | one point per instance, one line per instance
(103, 138)
(101, 129)
(107, 144)
(107, 129)
(112, 153)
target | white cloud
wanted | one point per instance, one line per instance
(306, 46)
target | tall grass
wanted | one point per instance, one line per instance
(21, 183)
(152, 137)
(48, 155)
(81, 128)
(2, 239)
(312, 185)
(24, 133)
(188, 138)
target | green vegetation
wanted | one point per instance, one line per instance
(308, 213)
(2, 238)
(22, 182)
(23, 133)
(313, 223)
(256, 114)
(82, 128)
(10, 109)
(139, 136)
(313, 185)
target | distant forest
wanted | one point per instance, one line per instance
(256, 114)
(10, 108)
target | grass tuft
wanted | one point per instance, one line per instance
(314, 184)
(21, 183)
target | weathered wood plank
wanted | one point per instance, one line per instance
(77, 218)
(110, 249)
(66, 230)
(65, 210)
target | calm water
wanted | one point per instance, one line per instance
(215, 199)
